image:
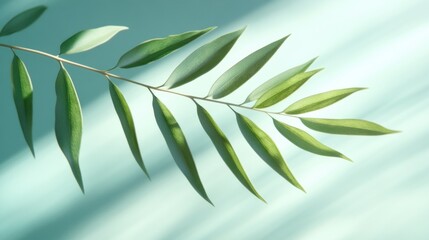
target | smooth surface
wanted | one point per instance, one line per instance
(383, 194)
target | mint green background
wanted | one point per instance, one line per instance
(382, 45)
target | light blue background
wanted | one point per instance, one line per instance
(382, 45)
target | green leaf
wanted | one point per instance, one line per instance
(265, 147)
(238, 74)
(319, 101)
(23, 97)
(89, 39)
(345, 126)
(202, 60)
(178, 146)
(284, 90)
(306, 141)
(277, 80)
(68, 122)
(22, 20)
(225, 149)
(126, 118)
(155, 49)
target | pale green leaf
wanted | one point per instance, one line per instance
(23, 96)
(124, 113)
(22, 20)
(154, 49)
(225, 149)
(319, 101)
(265, 147)
(202, 60)
(306, 141)
(277, 80)
(284, 90)
(238, 74)
(346, 126)
(68, 122)
(89, 39)
(178, 146)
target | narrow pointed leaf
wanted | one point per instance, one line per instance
(284, 90)
(178, 146)
(89, 39)
(68, 122)
(23, 96)
(238, 74)
(124, 113)
(22, 20)
(319, 101)
(265, 147)
(306, 141)
(225, 149)
(154, 49)
(277, 80)
(202, 60)
(346, 126)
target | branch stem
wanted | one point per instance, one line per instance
(109, 74)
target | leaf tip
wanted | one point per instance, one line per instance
(82, 188)
(32, 150)
(345, 157)
(209, 29)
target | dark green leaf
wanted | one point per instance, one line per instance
(154, 49)
(277, 80)
(284, 90)
(265, 147)
(127, 122)
(319, 101)
(23, 97)
(225, 149)
(68, 122)
(178, 146)
(306, 141)
(22, 20)
(346, 126)
(238, 74)
(89, 39)
(202, 60)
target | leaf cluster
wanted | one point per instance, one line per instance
(68, 113)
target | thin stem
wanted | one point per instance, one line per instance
(107, 74)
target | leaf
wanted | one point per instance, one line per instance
(265, 147)
(225, 149)
(345, 126)
(319, 101)
(306, 141)
(178, 146)
(23, 97)
(202, 60)
(238, 74)
(275, 81)
(22, 20)
(68, 122)
(154, 49)
(284, 90)
(89, 39)
(124, 113)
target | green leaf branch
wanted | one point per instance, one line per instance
(68, 113)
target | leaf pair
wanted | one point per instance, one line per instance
(142, 54)
(68, 115)
(208, 56)
(306, 142)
